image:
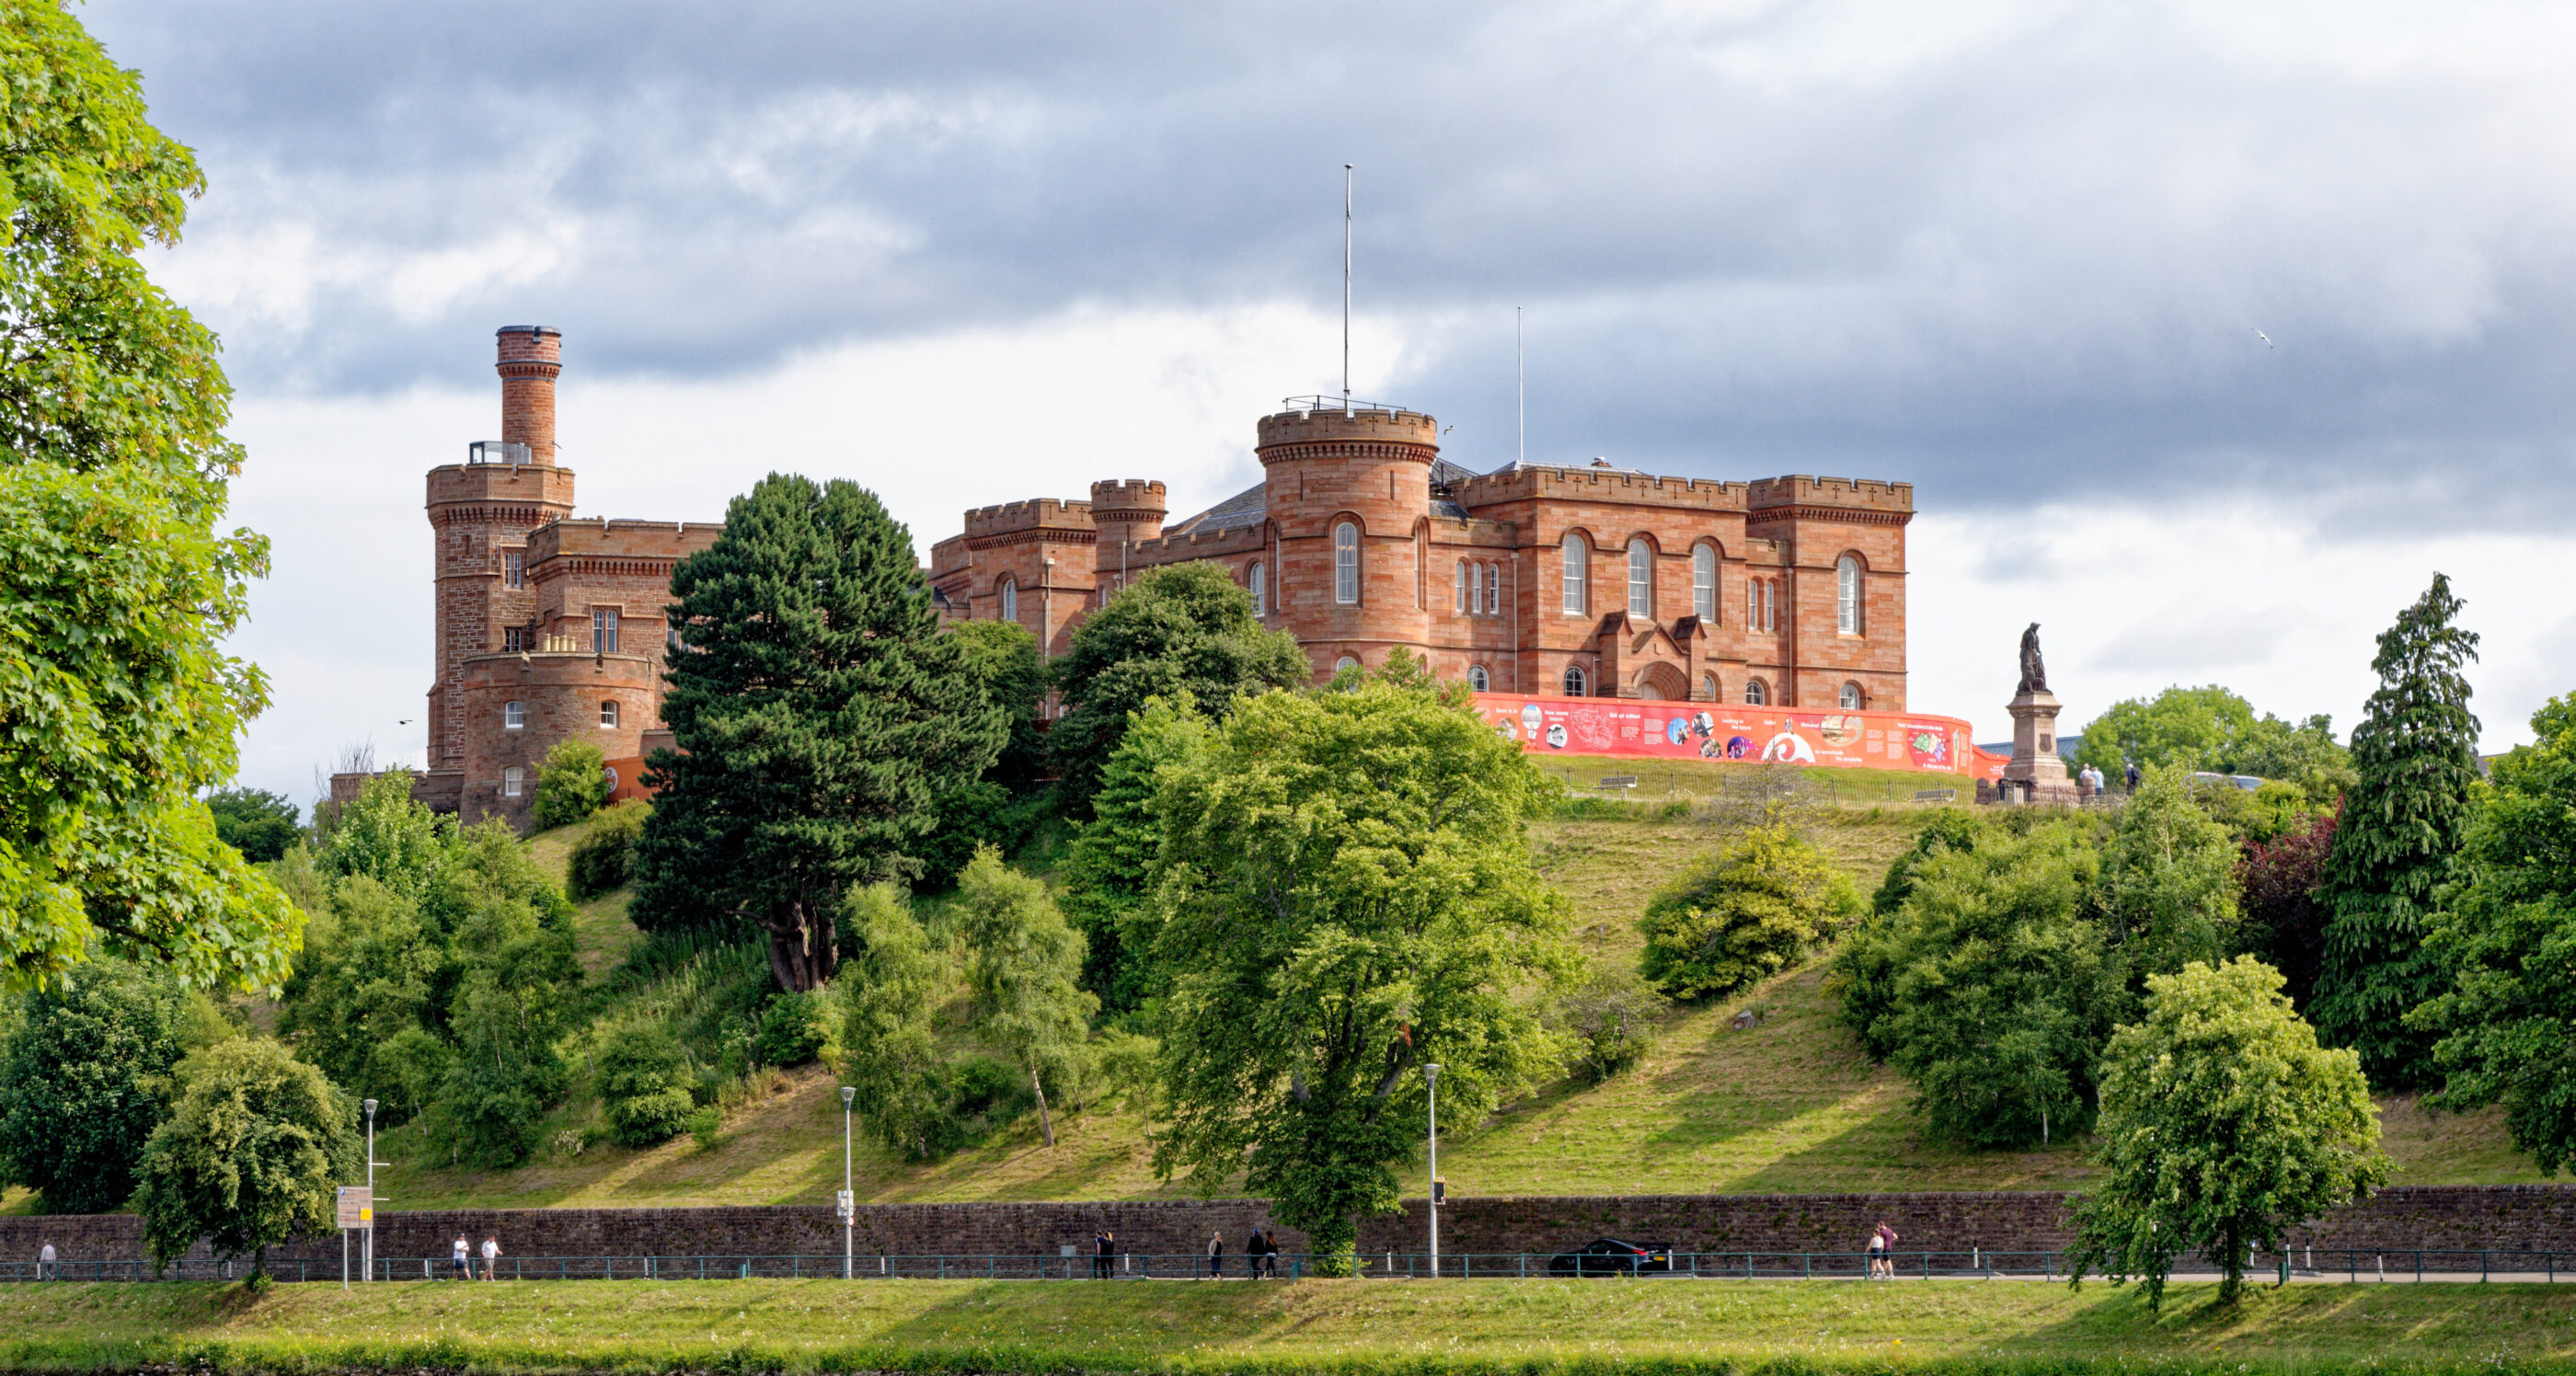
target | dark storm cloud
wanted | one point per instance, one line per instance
(2010, 257)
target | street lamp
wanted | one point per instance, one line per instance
(367, 1239)
(849, 1201)
(1431, 1078)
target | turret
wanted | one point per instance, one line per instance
(1347, 491)
(1125, 512)
(531, 356)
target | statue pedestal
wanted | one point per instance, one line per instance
(2036, 774)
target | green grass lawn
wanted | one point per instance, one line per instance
(1343, 1326)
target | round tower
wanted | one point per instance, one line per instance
(1126, 512)
(1347, 493)
(531, 357)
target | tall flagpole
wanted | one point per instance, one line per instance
(1346, 288)
(1520, 389)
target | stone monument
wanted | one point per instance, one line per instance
(2036, 774)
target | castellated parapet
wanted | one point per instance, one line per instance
(1041, 516)
(1864, 498)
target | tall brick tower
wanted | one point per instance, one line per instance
(1347, 494)
(1127, 512)
(480, 513)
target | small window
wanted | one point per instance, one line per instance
(1574, 681)
(514, 568)
(1641, 579)
(514, 780)
(1466, 587)
(603, 631)
(1704, 582)
(608, 714)
(1708, 689)
(514, 716)
(1847, 595)
(514, 639)
(1260, 589)
(1345, 662)
(1346, 563)
(1755, 694)
(1010, 600)
(1478, 679)
(1577, 557)
(1851, 697)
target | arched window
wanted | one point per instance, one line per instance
(1704, 582)
(1260, 589)
(514, 716)
(608, 714)
(1847, 595)
(1641, 579)
(1345, 662)
(1478, 679)
(1851, 697)
(1574, 680)
(1466, 587)
(1708, 689)
(1576, 559)
(1346, 563)
(1755, 694)
(514, 781)
(1010, 600)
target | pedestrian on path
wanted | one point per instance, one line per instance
(1216, 1256)
(1252, 1256)
(459, 1262)
(47, 1266)
(491, 1255)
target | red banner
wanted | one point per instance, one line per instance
(1723, 731)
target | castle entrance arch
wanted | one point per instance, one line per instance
(1661, 683)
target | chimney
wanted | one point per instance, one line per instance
(531, 355)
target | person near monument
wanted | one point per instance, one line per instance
(2133, 776)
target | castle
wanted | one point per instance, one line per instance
(1583, 581)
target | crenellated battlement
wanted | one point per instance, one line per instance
(1600, 484)
(1800, 489)
(1127, 499)
(602, 537)
(1384, 426)
(1036, 513)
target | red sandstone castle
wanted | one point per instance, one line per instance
(1582, 581)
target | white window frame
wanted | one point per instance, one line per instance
(1704, 582)
(1847, 595)
(1851, 697)
(1716, 690)
(608, 714)
(1345, 662)
(514, 716)
(1255, 578)
(1346, 563)
(1009, 593)
(1466, 587)
(1577, 573)
(1641, 578)
(1478, 679)
(514, 568)
(1493, 590)
(514, 781)
(1756, 693)
(603, 630)
(1574, 682)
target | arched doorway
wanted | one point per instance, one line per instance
(1661, 683)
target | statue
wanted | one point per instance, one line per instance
(2034, 672)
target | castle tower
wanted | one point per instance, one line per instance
(480, 513)
(1347, 494)
(1125, 512)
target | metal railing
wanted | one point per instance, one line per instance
(2354, 1265)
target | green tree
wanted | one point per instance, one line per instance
(894, 1060)
(2284, 917)
(1107, 871)
(1180, 632)
(1742, 915)
(644, 1085)
(2416, 754)
(572, 783)
(1991, 987)
(2510, 935)
(385, 835)
(1347, 894)
(84, 1078)
(2224, 1125)
(601, 860)
(1024, 963)
(2214, 729)
(520, 982)
(1002, 656)
(818, 716)
(369, 971)
(254, 821)
(117, 703)
(249, 1155)
(2167, 887)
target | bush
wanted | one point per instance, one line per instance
(572, 783)
(1743, 915)
(985, 1096)
(644, 1086)
(974, 815)
(707, 1126)
(792, 1030)
(600, 859)
(1611, 1017)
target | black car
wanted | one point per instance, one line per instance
(1608, 1256)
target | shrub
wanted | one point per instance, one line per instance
(1744, 914)
(600, 859)
(986, 1095)
(706, 1124)
(572, 783)
(792, 1031)
(643, 1086)
(1611, 1017)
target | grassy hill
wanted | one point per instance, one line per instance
(1789, 1105)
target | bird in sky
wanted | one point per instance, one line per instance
(2267, 339)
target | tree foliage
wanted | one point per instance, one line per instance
(572, 783)
(249, 1155)
(117, 704)
(2508, 1025)
(1744, 914)
(1180, 632)
(1347, 894)
(84, 1078)
(643, 1085)
(254, 821)
(818, 715)
(2212, 728)
(1024, 964)
(2416, 754)
(605, 855)
(2284, 915)
(2224, 1125)
(894, 1059)
(1002, 657)
(2167, 886)
(1107, 871)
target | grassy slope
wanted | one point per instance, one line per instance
(1789, 1106)
(929, 1325)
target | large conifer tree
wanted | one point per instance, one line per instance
(818, 714)
(2416, 753)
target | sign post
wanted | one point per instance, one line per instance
(357, 1211)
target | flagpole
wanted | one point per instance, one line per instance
(1346, 288)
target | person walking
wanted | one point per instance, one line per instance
(2133, 776)
(458, 1262)
(1216, 1256)
(48, 1267)
(1100, 1254)
(1252, 1256)
(491, 1255)
(1876, 1250)
(1887, 1252)
(1269, 1254)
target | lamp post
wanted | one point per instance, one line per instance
(849, 1201)
(1431, 1078)
(367, 1238)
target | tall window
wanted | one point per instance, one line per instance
(514, 781)
(1346, 563)
(1753, 604)
(1851, 697)
(1641, 579)
(514, 716)
(1010, 599)
(1466, 587)
(514, 568)
(1478, 679)
(514, 639)
(608, 714)
(1574, 680)
(1704, 582)
(1260, 589)
(1708, 689)
(1755, 694)
(1493, 589)
(1847, 595)
(603, 631)
(1576, 559)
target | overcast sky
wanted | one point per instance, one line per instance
(2015, 254)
